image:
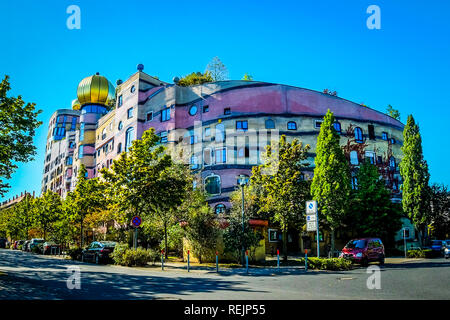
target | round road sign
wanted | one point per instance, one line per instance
(136, 221)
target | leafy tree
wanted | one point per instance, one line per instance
(372, 211)
(247, 77)
(202, 228)
(47, 211)
(18, 122)
(394, 113)
(146, 182)
(217, 69)
(415, 175)
(331, 182)
(87, 198)
(195, 78)
(22, 215)
(284, 186)
(440, 211)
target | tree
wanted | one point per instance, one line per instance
(202, 227)
(47, 211)
(394, 113)
(217, 69)
(146, 181)
(440, 211)
(331, 182)
(285, 188)
(415, 175)
(18, 122)
(87, 197)
(247, 77)
(195, 78)
(372, 211)
(22, 215)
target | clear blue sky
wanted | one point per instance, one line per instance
(311, 44)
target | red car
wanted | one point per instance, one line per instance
(364, 250)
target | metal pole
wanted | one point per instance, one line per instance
(404, 240)
(162, 260)
(246, 260)
(135, 238)
(243, 221)
(306, 260)
(217, 262)
(317, 226)
(188, 261)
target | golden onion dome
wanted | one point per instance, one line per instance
(95, 89)
(76, 104)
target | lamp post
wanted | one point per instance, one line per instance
(243, 180)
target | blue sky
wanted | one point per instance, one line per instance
(311, 44)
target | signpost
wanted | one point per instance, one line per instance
(312, 220)
(136, 222)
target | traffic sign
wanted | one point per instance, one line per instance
(311, 226)
(311, 217)
(311, 207)
(136, 221)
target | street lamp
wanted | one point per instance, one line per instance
(243, 181)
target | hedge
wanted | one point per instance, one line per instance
(124, 256)
(427, 253)
(335, 264)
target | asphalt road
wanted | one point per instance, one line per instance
(28, 276)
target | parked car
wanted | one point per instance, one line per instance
(364, 250)
(25, 245)
(447, 249)
(438, 246)
(50, 247)
(35, 243)
(98, 251)
(3, 243)
(18, 244)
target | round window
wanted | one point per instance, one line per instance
(133, 88)
(193, 110)
(120, 125)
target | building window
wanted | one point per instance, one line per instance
(193, 110)
(242, 125)
(273, 236)
(226, 111)
(208, 155)
(317, 123)
(220, 133)
(119, 148)
(354, 158)
(130, 113)
(119, 101)
(163, 136)
(212, 185)
(370, 156)
(221, 155)
(220, 208)
(384, 136)
(120, 125)
(165, 114)
(358, 135)
(103, 133)
(129, 137)
(337, 127)
(243, 152)
(81, 131)
(149, 116)
(207, 132)
(392, 140)
(80, 152)
(194, 139)
(392, 162)
(292, 125)
(371, 129)
(354, 183)
(194, 162)
(205, 109)
(380, 160)
(133, 89)
(270, 124)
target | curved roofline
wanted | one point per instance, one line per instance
(291, 86)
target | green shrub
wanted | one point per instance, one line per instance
(335, 264)
(124, 256)
(75, 253)
(427, 253)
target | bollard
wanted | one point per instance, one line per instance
(278, 260)
(246, 260)
(217, 261)
(162, 260)
(188, 261)
(306, 260)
